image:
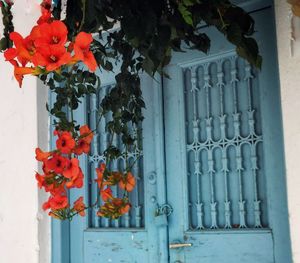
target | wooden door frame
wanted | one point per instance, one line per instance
(272, 130)
(60, 231)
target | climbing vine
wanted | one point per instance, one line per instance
(129, 37)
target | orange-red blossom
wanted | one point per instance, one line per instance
(47, 49)
(62, 171)
(113, 207)
(79, 206)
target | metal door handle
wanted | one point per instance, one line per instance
(179, 245)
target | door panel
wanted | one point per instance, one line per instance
(228, 248)
(220, 182)
(122, 246)
(114, 236)
(135, 237)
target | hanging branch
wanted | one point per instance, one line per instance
(7, 19)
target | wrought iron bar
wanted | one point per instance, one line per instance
(234, 81)
(136, 172)
(254, 168)
(115, 167)
(239, 168)
(222, 117)
(248, 78)
(102, 137)
(254, 140)
(196, 150)
(106, 141)
(237, 137)
(94, 157)
(137, 206)
(213, 204)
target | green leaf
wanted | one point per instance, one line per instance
(190, 2)
(91, 89)
(108, 66)
(3, 44)
(148, 66)
(57, 77)
(186, 14)
(60, 114)
(249, 50)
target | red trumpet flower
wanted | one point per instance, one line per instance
(65, 142)
(55, 33)
(82, 50)
(52, 57)
(79, 206)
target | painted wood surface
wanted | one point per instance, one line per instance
(227, 247)
(212, 169)
(123, 246)
(224, 155)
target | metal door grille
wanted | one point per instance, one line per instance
(135, 218)
(224, 145)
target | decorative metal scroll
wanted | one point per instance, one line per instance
(133, 219)
(224, 145)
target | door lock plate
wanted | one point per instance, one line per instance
(164, 209)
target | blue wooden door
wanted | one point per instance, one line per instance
(224, 154)
(134, 237)
(211, 180)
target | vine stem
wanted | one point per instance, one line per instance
(85, 208)
(83, 15)
(98, 122)
(222, 20)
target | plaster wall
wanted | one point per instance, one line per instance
(24, 232)
(289, 67)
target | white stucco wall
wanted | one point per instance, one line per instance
(19, 224)
(289, 67)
